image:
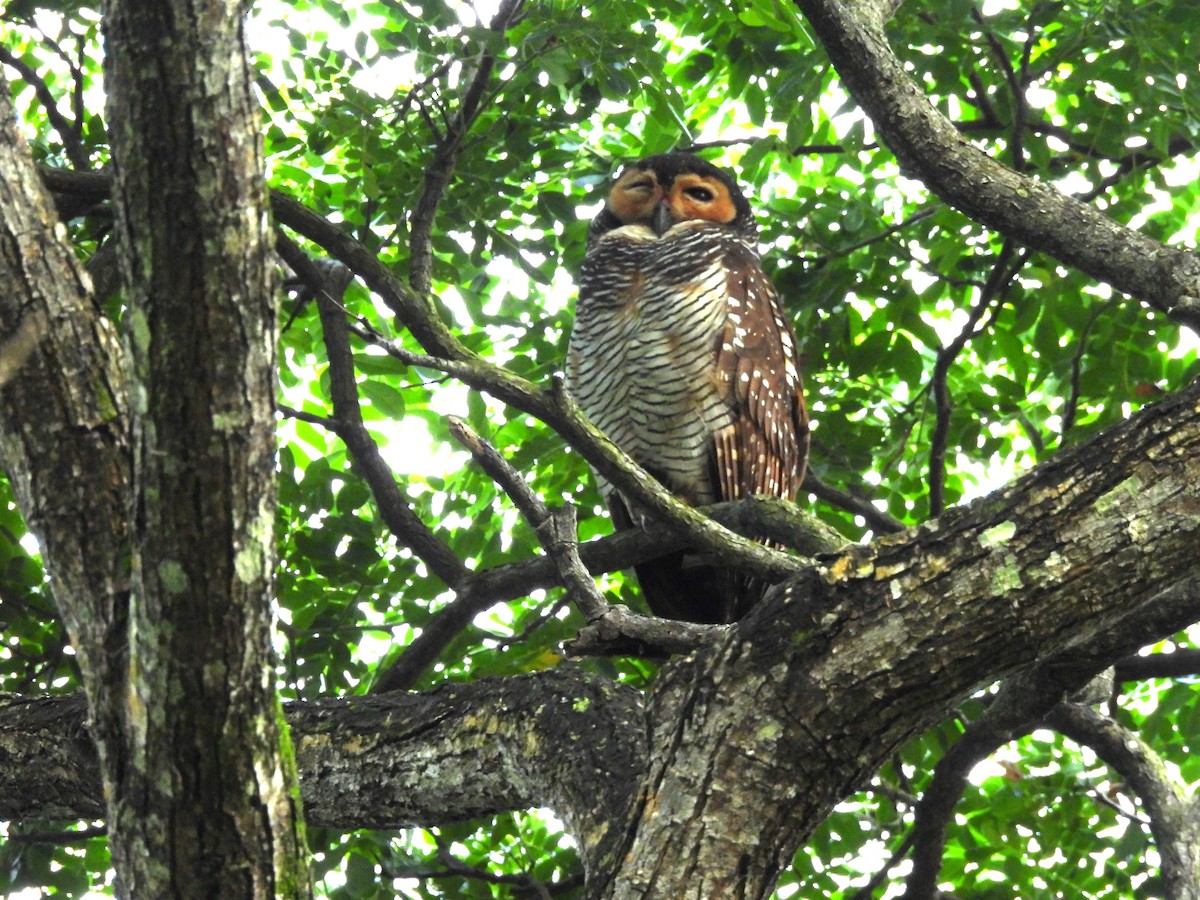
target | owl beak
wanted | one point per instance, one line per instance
(663, 218)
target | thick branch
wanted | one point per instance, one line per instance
(63, 410)
(1090, 552)
(777, 520)
(562, 738)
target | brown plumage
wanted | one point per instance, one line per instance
(682, 353)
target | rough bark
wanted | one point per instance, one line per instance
(154, 514)
(756, 742)
(64, 439)
(562, 738)
(203, 801)
(64, 430)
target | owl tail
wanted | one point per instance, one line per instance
(682, 585)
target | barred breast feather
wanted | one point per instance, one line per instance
(641, 359)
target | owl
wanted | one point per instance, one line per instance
(682, 353)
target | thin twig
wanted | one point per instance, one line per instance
(69, 132)
(876, 518)
(348, 423)
(867, 891)
(1071, 404)
(445, 156)
(1007, 263)
(1016, 81)
(556, 529)
(58, 837)
(453, 867)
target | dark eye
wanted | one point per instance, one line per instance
(703, 194)
(642, 184)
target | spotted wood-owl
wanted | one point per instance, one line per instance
(682, 354)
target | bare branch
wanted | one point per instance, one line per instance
(776, 520)
(68, 132)
(876, 518)
(1173, 821)
(1071, 402)
(1013, 713)
(1005, 267)
(1181, 663)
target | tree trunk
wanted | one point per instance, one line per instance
(204, 802)
(149, 477)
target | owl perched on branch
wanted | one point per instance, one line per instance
(682, 354)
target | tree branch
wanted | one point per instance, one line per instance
(1173, 819)
(876, 518)
(329, 283)
(449, 145)
(930, 148)
(64, 410)
(1004, 269)
(628, 633)
(1180, 663)
(1088, 554)
(1015, 711)
(69, 132)
(556, 530)
(561, 738)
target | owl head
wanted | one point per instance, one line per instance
(664, 190)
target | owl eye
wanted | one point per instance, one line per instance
(702, 194)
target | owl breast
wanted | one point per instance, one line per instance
(641, 364)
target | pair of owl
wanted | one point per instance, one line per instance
(683, 355)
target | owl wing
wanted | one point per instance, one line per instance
(765, 449)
